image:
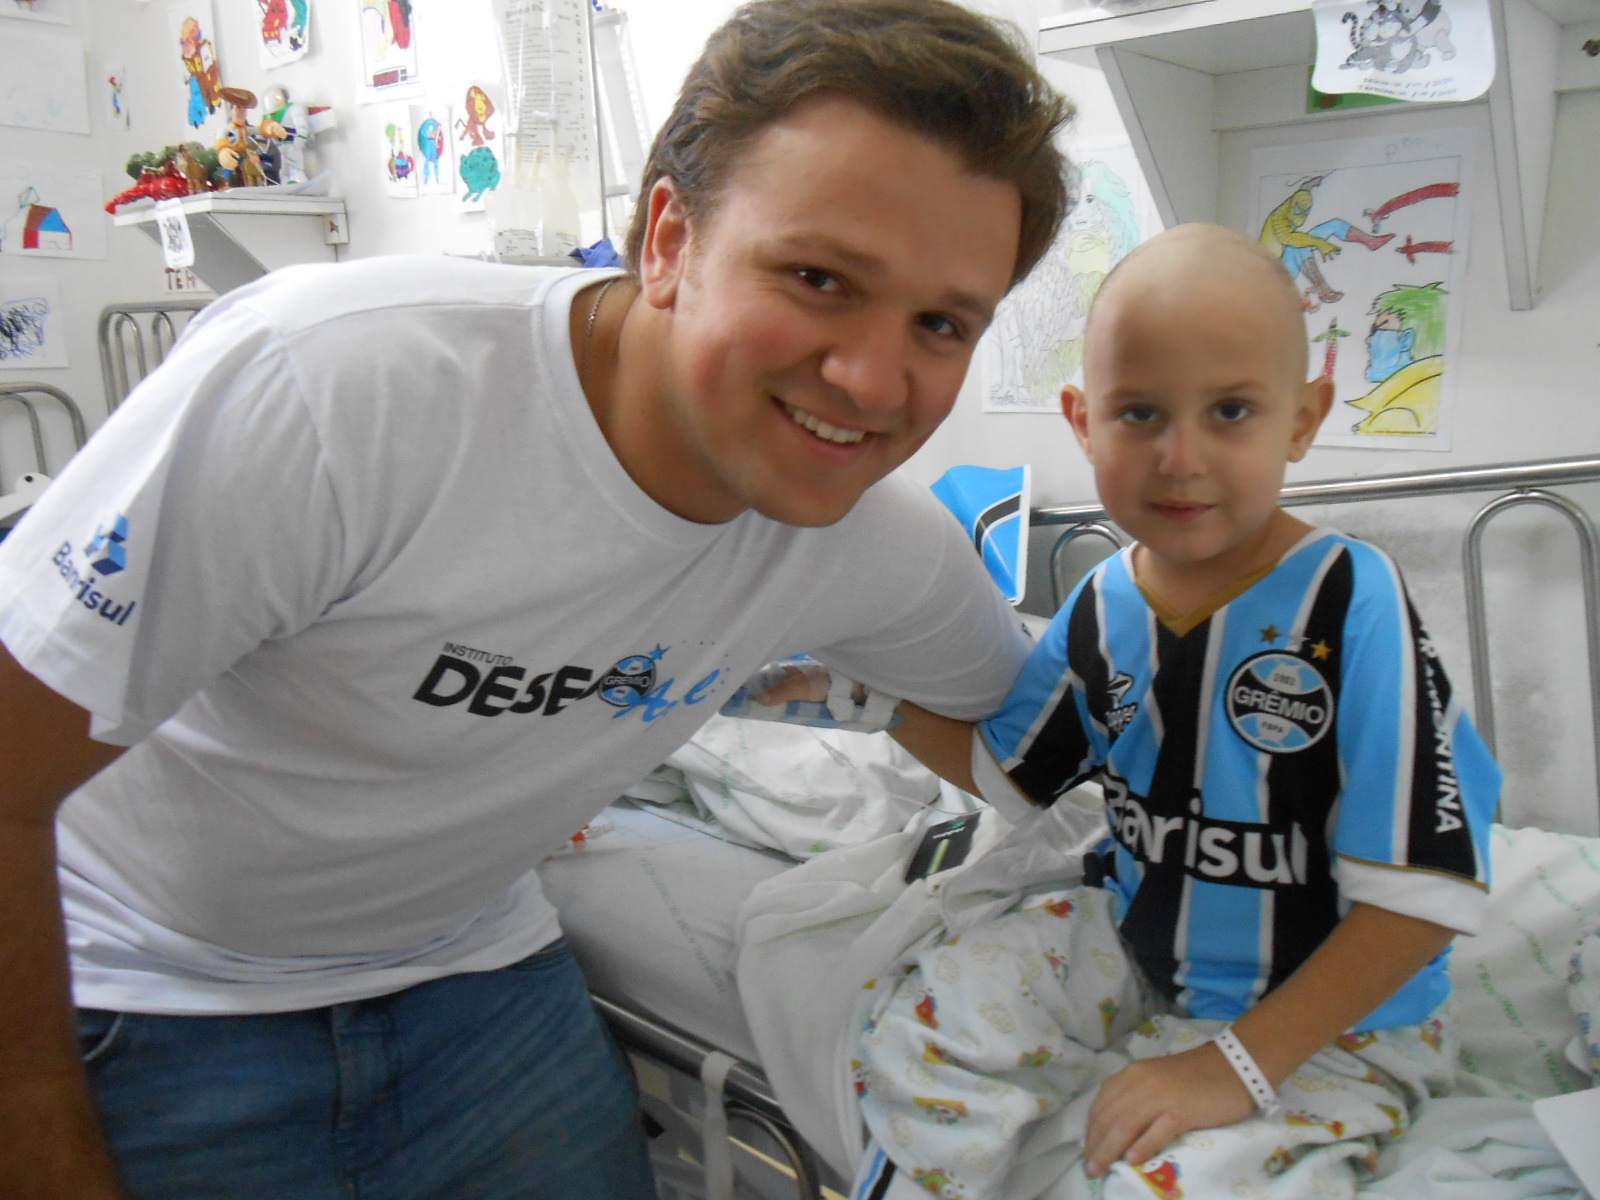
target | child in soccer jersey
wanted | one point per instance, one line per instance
(1298, 807)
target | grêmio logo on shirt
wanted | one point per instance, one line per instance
(491, 684)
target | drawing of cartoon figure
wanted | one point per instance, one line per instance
(1394, 40)
(205, 76)
(475, 124)
(1405, 359)
(400, 164)
(480, 172)
(1284, 235)
(116, 94)
(430, 140)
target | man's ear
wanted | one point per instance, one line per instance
(1075, 407)
(664, 254)
(1314, 407)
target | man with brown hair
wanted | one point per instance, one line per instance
(380, 630)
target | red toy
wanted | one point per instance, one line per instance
(153, 185)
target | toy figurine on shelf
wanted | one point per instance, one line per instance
(155, 176)
(298, 125)
(239, 159)
(197, 164)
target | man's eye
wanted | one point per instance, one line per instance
(940, 324)
(818, 278)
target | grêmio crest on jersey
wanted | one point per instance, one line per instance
(1279, 702)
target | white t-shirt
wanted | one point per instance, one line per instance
(359, 579)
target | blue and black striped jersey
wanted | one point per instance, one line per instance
(1298, 750)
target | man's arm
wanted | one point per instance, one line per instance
(50, 1142)
(1366, 959)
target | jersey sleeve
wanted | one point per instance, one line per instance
(197, 523)
(1043, 741)
(924, 620)
(1420, 787)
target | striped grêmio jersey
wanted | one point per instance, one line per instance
(1297, 750)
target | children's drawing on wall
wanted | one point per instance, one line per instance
(1374, 232)
(115, 93)
(436, 165)
(55, 11)
(1035, 345)
(400, 153)
(285, 29)
(31, 325)
(1404, 49)
(44, 81)
(389, 49)
(193, 26)
(51, 211)
(480, 143)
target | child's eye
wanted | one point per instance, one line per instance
(940, 324)
(817, 278)
(1140, 414)
(1233, 410)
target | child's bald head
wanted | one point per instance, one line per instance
(1195, 268)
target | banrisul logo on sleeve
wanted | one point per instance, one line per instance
(103, 560)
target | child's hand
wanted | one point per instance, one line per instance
(1147, 1104)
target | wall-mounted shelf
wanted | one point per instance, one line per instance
(239, 237)
(1186, 74)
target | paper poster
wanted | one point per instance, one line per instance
(57, 12)
(435, 149)
(193, 25)
(48, 210)
(284, 30)
(1374, 231)
(388, 50)
(32, 328)
(1035, 345)
(480, 144)
(1404, 49)
(44, 82)
(400, 153)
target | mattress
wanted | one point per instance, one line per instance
(649, 904)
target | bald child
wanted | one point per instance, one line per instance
(1296, 807)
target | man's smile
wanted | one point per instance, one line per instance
(825, 431)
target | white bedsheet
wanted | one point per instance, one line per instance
(649, 907)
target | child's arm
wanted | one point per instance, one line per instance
(1365, 960)
(942, 744)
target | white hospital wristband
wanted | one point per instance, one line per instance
(1244, 1066)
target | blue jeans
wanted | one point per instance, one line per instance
(489, 1086)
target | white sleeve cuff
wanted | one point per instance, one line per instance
(995, 786)
(1428, 896)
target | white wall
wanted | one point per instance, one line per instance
(1528, 380)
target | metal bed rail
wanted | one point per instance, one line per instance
(749, 1096)
(1522, 484)
(122, 341)
(26, 395)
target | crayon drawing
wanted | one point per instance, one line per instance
(1373, 230)
(44, 80)
(389, 49)
(193, 26)
(31, 327)
(480, 145)
(1035, 345)
(51, 211)
(284, 27)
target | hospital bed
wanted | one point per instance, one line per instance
(651, 900)
(135, 338)
(19, 492)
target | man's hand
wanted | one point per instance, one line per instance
(1147, 1104)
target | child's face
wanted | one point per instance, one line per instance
(1195, 404)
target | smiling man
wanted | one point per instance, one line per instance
(396, 572)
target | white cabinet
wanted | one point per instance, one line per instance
(1185, 75)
